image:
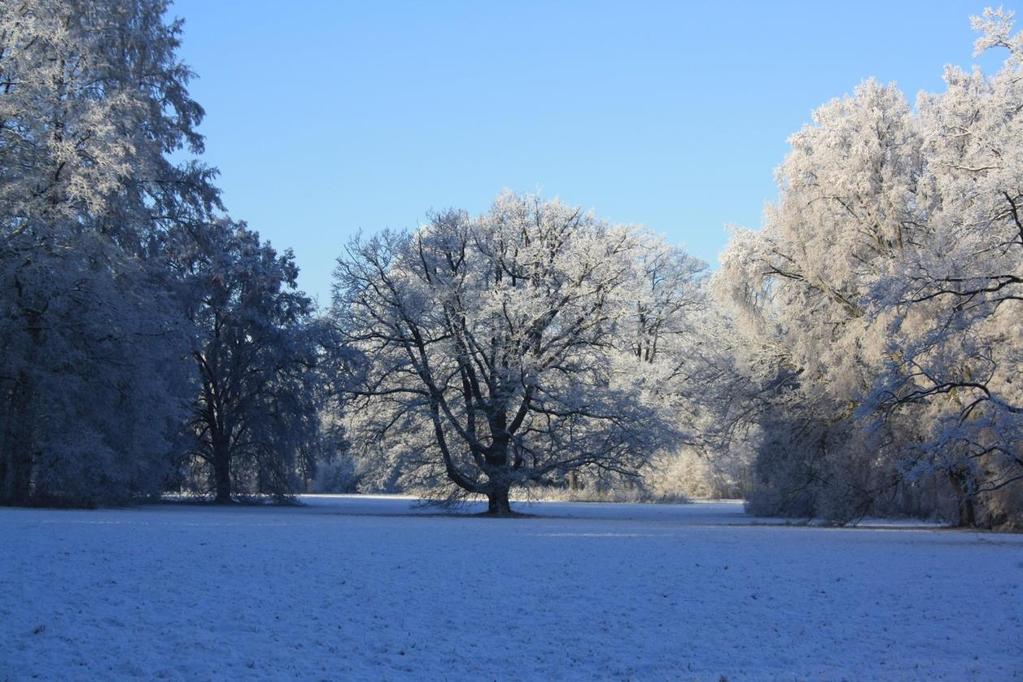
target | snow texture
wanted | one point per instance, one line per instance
(380, 588)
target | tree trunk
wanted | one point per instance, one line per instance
(17, 447)
(497, 502)
(222, 473)
(967, 512)
(967, 509)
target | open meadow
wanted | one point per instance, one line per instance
(381, 588)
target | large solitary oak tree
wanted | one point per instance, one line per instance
(501, 350)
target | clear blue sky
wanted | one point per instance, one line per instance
(327, 117)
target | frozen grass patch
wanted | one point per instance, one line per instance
(380, 588)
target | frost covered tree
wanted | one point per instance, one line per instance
(880, 304)
(93, 102)
(956, 304)
(508, 349)
(93, 377)
(800, 288)
(256, 419)
(685, 341)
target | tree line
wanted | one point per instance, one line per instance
(149, 342)
(860, 354)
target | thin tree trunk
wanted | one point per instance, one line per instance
(6, 452)
(967, 513)
(18, 438)
(967, 509)
(17, 446)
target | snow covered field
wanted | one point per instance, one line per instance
(372, 588)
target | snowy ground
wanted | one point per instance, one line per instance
(357, 588)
